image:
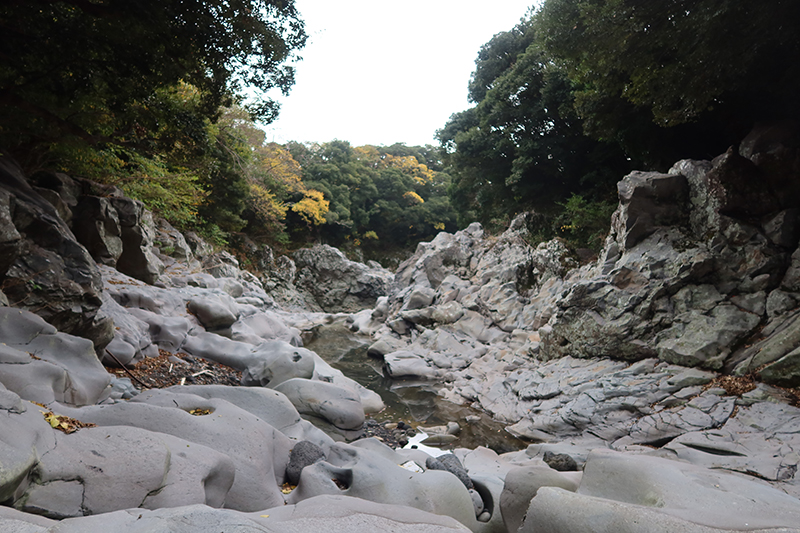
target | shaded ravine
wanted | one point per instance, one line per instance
(415, 402)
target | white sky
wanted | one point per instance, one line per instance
(379, 71)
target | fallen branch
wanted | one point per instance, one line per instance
(139, 381)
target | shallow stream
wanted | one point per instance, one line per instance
(415, 402)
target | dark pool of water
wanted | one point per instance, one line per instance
(413, 401)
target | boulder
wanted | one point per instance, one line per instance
(43, 365)
(336, 283)
(272, 363)
(172, 243)
(100, 470)
(304, 453)
(339, 406)
(521, 486)
(214, 313)
(631, 493)
(222, 265)
(371, 475)
(450, 463)
(258, 451)
(648, 200)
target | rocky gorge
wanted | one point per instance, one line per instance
(654, 386)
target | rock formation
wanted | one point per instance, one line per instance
(610, 369)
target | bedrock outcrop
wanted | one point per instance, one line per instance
(611, 370)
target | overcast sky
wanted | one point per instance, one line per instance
(379, 72)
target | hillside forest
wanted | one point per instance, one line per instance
(150, 96)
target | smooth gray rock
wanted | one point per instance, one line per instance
(364, 473)
(43, 365)
(521, 486)
(132, 341)
(274, 362)
(217, 313)
(217, 348)
(167, 332)
(15, 521)
(99, 470)
(339, 406)
(322, 514)
(264, 326)
(258, 451)
(269, 405)
(556, 510)
(24, 437)
(632, 493)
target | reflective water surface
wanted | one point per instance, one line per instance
(413, 401)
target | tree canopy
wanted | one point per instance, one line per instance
(583, 90)
(91, 68)
(379, 196)
(522, 146)
(679, 59)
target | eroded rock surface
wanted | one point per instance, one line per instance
(610, 369)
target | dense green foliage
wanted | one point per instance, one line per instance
(146, 94)
(90, 68)
(584, 90)
(379, 196)
(131, 92)
(522, 146)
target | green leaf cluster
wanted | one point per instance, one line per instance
(144, 93)
(379, 196)
(522, 146)
(87, 68)
(582, 91)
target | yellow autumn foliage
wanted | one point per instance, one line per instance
(276, 162)
(408, 165)
(368, 155)
(413, 198)
(312, 208)
(265, 205)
